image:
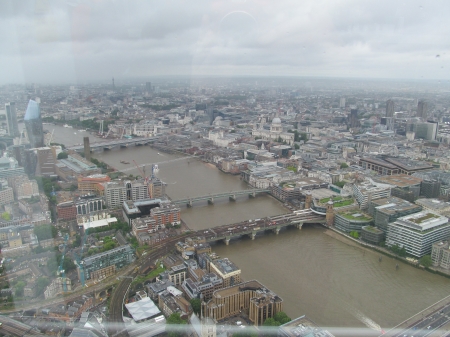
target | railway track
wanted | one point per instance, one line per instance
(12, 327)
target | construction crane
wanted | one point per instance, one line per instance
(61, 270)
(100, 128)
(146, 179)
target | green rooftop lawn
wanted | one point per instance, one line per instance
(343, 203)
(424, 218)
(349, 216)
(324, 200)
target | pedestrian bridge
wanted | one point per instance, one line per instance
(253, 227)
(109, 145)
(189, 202)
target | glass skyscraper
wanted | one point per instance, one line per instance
(33, 124)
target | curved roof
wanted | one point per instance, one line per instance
(33, 111)
(276, 120)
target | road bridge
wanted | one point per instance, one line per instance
(189, 202)
(253, 227)
(110, 144)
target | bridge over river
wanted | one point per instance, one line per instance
(110, 144)
(232, 195)
(253, 227)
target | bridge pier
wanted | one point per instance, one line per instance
(189, 204)
(232, 197)
(252, 195)
(211, 201)
(227, 240)
(253, 235)
(277, 230)
(299, 225)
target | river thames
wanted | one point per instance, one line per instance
(331, 281)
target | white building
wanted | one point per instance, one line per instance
(369, 190)
(417, 232)
(275, 133)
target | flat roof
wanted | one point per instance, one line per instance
(409, 164)
(303, 327)
(401, 180)
(393, 205)
(422, 221)
(435, 204)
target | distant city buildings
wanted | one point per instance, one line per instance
(422, 109)
(390, 108)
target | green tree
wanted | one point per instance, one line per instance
(6, 216)
(63, 155)
(339, 184)
(271, 322)
(343, 165)
(174, 325)
(426, 261)
(19, 288)
(41, 284)
(281, 317)
(196, 305)
(44, 232)
(296, 146)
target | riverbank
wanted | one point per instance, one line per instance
(348, 240)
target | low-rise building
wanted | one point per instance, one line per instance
(417, 232)
(386, 210)
(440, 254)
(119, 257)
(435, 205)
(302, 327)
(227, 271)
(369, 190)
(351, 220)
(372, 235)
(251, 298)
(202, 288)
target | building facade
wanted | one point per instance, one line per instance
(119, 257)
(417, 232)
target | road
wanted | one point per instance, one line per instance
(428, 324)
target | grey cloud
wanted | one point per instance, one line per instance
(81, 40)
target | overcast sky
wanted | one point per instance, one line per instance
(48, 41)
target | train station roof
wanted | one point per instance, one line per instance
(143, 309)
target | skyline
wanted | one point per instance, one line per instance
(77, 41)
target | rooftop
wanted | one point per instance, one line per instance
(303, 327)
(401, 180)
(356, 215)
(422, 221)
(225, 266)
(434, 204)
(393, 205)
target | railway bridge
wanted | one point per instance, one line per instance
(252, 227)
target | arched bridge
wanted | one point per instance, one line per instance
(211, 197)
(253, 227)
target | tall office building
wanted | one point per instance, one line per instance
(148, 86)
(390, 106)
(422, 109)
(353, 121)
(33, 124)
(11, 116)
(342, 102)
